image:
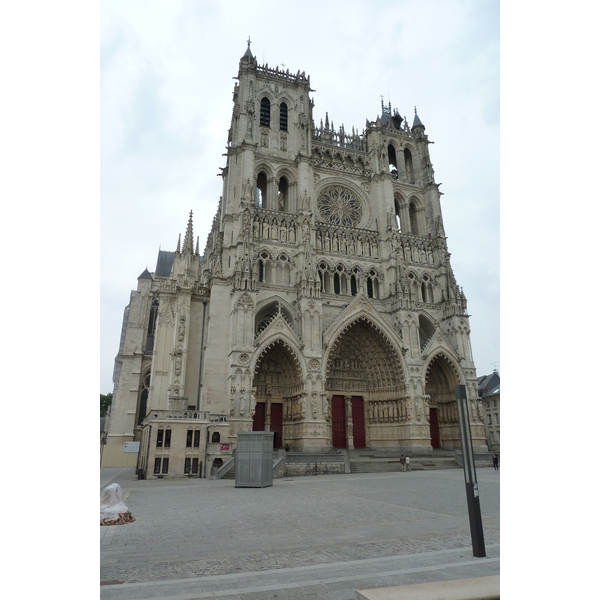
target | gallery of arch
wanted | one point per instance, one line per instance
(323, 309)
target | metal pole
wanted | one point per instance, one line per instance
(469, 468)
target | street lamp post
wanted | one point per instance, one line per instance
(470, 475)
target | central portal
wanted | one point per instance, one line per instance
(365, 378)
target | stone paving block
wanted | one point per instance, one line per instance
(301, 533)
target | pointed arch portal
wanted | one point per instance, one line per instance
(278, 385)
(365, 378)
(440, 381)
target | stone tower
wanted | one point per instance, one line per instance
(324, 307)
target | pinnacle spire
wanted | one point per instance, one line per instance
(188, 240)
(417, 121)
(248, 53)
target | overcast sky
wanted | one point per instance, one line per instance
(166, 82)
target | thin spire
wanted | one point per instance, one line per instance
(416, 120)
(188, 241)
(248, 53)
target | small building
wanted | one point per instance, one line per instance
(489, 391)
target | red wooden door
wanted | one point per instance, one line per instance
(258, 420)
(277, 424)
(338, 422)
(358, 421)
(434, 428)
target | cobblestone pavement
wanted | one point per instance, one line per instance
(305, 537)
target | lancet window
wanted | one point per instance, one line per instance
(282, 194)
(143, 403)
(373, 284)
(397, 212)
(414, 223)
(426, 289)
(265, 112)
(283, 117)
(393, 164)
(261, 190)
(408, 166)
(151, 326)
(341, 281)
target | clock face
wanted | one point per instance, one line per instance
(339, 206)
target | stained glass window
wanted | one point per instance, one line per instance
(338, 206)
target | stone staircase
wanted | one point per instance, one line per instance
(369, 461)
(382, 461)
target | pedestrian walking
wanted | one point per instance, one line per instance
(403, 462)
(496, 462)
(408, 463)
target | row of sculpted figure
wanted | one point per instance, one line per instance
(281, 230)
(390, 411)
(346, 243)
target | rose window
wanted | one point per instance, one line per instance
(338, 206)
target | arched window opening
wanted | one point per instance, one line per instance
(424, 292)
(263, 263)
(369, 287)
(336, 283)
(283, 117)
(267, 313)
(353, 285)
(265, 113)
(426, 330)
(393, 164)
(151, 326)
(344, 284)
(261, 190)
(397, 211)
(144, 398)
(412, 213)
(408, 166)
(282, 194)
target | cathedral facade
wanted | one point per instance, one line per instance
(324, 307)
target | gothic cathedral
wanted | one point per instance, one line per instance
(324, 308)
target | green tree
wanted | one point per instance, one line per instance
(105, 402)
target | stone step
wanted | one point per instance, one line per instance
(378, 465)
(379, 461)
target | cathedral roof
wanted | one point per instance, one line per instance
(164, 263)
(417, 121)
(146, 274)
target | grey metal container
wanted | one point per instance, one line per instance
(254, 459)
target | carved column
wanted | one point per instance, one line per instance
(349, 424)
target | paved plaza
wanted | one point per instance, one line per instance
(305, 537)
